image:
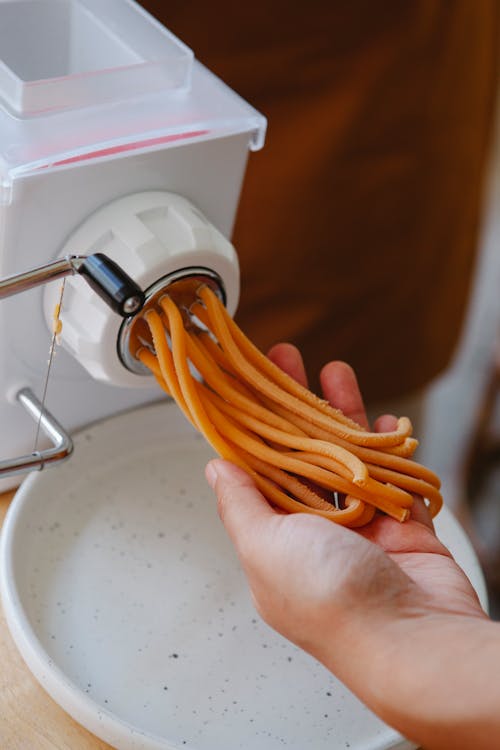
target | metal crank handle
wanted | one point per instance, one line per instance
(108, 280)
(62, 445)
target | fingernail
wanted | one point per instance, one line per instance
(220, 469)
(211, 474)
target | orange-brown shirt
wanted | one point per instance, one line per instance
(358, 222)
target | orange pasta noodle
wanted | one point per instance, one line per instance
(384, 457)
(303, 454)
(282, 392)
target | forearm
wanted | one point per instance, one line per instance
(389, 613)
(435, 678)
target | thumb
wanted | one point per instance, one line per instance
(242, 508)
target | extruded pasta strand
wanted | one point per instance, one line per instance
(300, 451)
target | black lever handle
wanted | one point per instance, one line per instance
(112, 284)
(105, 276)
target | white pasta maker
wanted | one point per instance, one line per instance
(121, 162)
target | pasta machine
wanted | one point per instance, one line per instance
(121, 164)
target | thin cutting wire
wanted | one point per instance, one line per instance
(55, 333)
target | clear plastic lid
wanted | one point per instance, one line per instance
(81, 79)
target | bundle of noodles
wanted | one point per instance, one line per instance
(302, 453)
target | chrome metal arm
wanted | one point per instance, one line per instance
(21, 282)
(111, 283)
(62, 444)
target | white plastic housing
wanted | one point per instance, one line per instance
(149, 235)
(98, 102)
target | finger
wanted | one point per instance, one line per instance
(242, 508)
(340, 386)
(396, 538)
(385, 423)
(420, 512)
(288, 358)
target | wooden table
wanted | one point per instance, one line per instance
(29, 718)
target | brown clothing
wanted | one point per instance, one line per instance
(358, 222)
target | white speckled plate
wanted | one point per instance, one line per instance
(127, 602)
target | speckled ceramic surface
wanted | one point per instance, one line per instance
(128, 604)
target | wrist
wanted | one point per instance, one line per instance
(433, 677)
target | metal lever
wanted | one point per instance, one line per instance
(111, 283)
(117, 290)
(62, 445)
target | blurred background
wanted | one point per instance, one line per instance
(461, 421)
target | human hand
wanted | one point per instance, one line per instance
(378, 606)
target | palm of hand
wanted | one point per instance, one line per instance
(409, 567)
(308, 575)
(425, 560)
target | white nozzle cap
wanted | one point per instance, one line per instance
(150, 235)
